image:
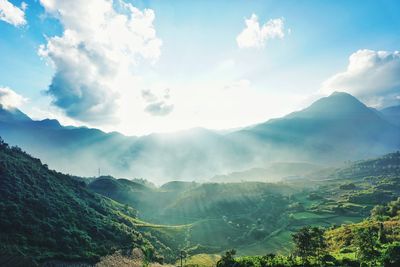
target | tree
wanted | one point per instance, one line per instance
(318, 242)
(228, 259)
(394, 207)
(366, 242)
(310, 242)
(381, 234)
(268, 260)
(303, 244)
(379, 212)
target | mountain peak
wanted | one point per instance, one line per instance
(342, 94)
(12, 115)
(334, 105)
(340, 99)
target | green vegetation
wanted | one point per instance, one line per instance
(309, 243)
(217, 215)
(200, 260)
(255, 217)
(343, 217)
(46, 215)
(373, 242)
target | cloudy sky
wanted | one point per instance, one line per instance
(155, 66)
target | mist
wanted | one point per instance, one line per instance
(309, 139)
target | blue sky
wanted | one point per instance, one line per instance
(200, 76)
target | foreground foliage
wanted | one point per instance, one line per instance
(373, 242)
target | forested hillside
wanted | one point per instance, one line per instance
(46, 215)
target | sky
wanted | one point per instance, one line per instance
(140, 67)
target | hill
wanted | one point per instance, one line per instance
(218, 215)
(46, 215)
(255, 217)
(357, 209)
(372, 242)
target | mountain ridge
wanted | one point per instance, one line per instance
(334, 128)
(392, 114)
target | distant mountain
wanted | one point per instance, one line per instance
(392, 114)
(46, 215)
(77, 150)
(330, 131)
(14, 115)
(160, 157)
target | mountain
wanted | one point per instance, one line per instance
(46, 216)
(77, 150)
(392, 114)
(333, 129)
(13, 114)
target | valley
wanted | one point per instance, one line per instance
(151, 133)
(253, 190)
(255, 218)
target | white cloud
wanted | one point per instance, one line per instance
(10, 99)
(12, 14)
(372, 76)
(255, 35)
(102, 42)
(157, 105)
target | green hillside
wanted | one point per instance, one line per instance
(372, 242)
(219, 215)
(256, 217)
(46, 215)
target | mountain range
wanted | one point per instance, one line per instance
(331, 130)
